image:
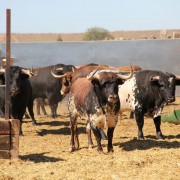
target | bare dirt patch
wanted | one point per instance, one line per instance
(44, 152)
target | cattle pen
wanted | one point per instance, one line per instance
(43, 151)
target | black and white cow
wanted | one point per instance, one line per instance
(148, 91)
(96, 98)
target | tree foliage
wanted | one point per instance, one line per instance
(97, 33)
(59, 38)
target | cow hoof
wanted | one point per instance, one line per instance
(100, 150)
(140, 138)
(34, 123)
(72, 149)
(159, 136)
(110, 150)
(90, 147)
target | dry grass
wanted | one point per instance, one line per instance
(44, 152)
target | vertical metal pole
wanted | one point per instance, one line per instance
(8, 56)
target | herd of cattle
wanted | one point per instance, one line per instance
(100, 93)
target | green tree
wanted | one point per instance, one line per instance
(59, 38)
(97, 33)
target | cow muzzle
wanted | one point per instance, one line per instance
(112, 98)
(172, 99)
(14, 92)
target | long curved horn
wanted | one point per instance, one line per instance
(96, 73)
(2, 71)
(26, 71)
(154, 78)
(92, 74)
(73, 69)
(125, 77)
(59, 69)
(177, 77)
(58, 76)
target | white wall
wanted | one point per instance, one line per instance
(156, 54)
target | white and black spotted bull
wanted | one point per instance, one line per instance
(96, 98)
(148, 92)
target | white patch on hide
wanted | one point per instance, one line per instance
(126, 94)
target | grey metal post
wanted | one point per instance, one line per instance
(8, 56)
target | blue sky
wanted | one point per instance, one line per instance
(73, 16)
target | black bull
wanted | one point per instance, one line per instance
(20, 93)
(44, 85)
(147, 92)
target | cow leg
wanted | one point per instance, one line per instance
(74, 133)
(131, 116)
(52, 111)
(88, 131)
(43, 109)
(157, 123)
(31, 112)
(98, 139)
(55, 109)
(140, 124)
(20, 130)
(38, 108)
(110, 137)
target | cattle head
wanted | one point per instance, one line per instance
(166, 83)
(108, 81)
(17, 75)
(66, 81)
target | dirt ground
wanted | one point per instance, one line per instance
(44, 152)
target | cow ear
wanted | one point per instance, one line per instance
(120, 81)
(95, 81)
(177, 82)
(24, 76)
(154, 78)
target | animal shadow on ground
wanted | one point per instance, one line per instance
(38, 158)
(147, 144)
(54, 123)
(63, 131)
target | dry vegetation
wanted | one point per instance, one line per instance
(53, 37)
(43, 152)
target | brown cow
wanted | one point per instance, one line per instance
(96, 98)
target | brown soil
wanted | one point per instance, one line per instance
(44, 152)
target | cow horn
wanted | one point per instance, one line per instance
(177, 77)
(96, 73)
(125, 77)
(154, 78)
(2, 71)
(28, 72)
(73, 69)
(59, 69)
(92, 74)
(58, 76)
